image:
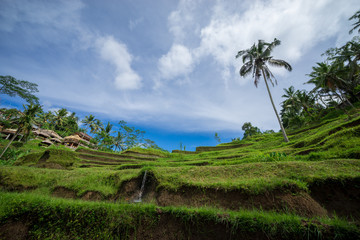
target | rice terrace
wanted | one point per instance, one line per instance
(74, 175)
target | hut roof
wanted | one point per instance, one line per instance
(72, 138)
(41, 133)
(47, 142)
(52, 133)
(55, 140)
(84, 136)
(8, 131)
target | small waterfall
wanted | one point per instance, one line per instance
(141, 189)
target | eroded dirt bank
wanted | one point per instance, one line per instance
(324, 199)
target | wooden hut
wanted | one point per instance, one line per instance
(8, 133)
(72, 141)
(46, 142)
(85, 137)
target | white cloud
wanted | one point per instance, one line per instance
(177, 62)
(206, 37)
(117, 54)
(299, 24)
(134, 23)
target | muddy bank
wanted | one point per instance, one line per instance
(338, 197)
(324, 199)
(284, 200)
(64, 192)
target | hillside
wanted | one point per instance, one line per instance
(258, 188)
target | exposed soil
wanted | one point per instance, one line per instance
(99, 158)
(14, 230)
(326, 199)
(305, 152)
(170, 227)
(230, 157)
(136, 156)
(145, 155)
(100, 163)
(64, 192)
(49, 165)
(129, 167)
(199, 164)
(347, 125)
(278, 200)
(342, 199)
(92, 196)
(218, 148)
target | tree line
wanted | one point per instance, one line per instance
(336, 82)
(108, 137)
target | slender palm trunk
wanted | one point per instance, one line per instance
(11, 140)
(276, 113)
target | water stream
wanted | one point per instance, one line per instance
(141, 189)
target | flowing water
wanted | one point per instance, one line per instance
(141, 189)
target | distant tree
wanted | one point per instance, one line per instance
(24, 89)
(255, 61)
(24, 122)
(95, 125)
(250, 130)
(217, 137)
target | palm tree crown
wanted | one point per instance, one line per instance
(257, 57)
(255, 61)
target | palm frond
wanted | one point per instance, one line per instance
(256, 75)
(240, 53)
(280, 63)
(245, 70)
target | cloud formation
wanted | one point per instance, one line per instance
(106, 64)
(177, 62)
(117, 54)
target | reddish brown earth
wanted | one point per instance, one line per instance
(284, 200)
(14, 230)
(324, 199)
(340, 198)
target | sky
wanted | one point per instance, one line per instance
(167, 67)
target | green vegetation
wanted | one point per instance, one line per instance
(259, 187)
(64, 219)
(24, 89)
(260, 183)
(255, 61)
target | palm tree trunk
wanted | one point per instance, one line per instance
(11, 140)
(276, 113)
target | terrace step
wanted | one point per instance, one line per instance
(125, 155)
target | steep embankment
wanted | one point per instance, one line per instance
(315, 176)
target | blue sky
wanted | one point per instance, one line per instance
(166, 67)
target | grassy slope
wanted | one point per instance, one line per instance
(94, 220)
(326, 150)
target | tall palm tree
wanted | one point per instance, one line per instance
(255, 61)
(92, 123)
(24, 123)
(60, 117)
(326, 76)
(356, 25)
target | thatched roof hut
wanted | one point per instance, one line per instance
(55, 140)
(8, 131)
(47, 133)
(41, 133)
(46, 142)
(84, 136)
(51, 133)
(72, 139)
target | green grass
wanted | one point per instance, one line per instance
(80, 180)
(327, 151)
(54, 218)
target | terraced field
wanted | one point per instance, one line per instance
(258, 188)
